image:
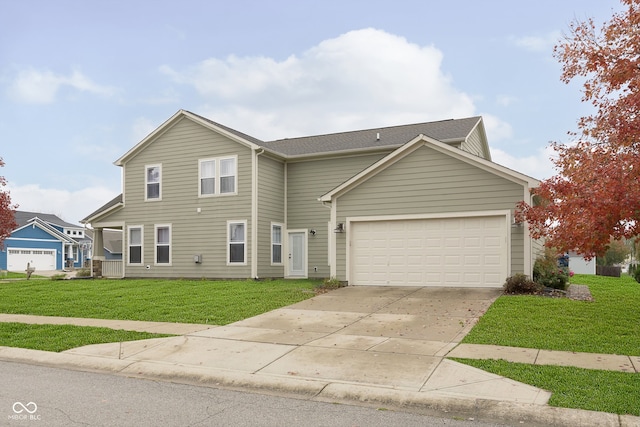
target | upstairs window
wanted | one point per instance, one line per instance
(207, 177)
(153, 182)
(218, 176)
(228, 175)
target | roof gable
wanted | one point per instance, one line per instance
(48, 229)
(413, 145)
(232, 134)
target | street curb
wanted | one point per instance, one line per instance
(427, 403)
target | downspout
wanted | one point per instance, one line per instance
(254, 212)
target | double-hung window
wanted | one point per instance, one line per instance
(135, 245)
(228, 175)
(153, 182)
(163, 244)
(237, 242)
(276, 244)
(218, 176)
(207, 177)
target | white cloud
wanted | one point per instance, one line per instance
(497, 130)
(543, 43)
(41, 87)
(71, 206)
(360, 79)
(538, 165)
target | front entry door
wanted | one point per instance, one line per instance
(297, 253)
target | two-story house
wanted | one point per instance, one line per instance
(419, 204)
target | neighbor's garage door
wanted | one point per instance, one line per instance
(40, 259)
(467, 251)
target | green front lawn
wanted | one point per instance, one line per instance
(610, 324)
(605, 391)
(184, 301)
(63, 337)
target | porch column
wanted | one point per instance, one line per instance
(98, 253)
(98, 244)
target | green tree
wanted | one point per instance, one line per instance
(616, 253)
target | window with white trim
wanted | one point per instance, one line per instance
(276, 244)
(163, 244)
(207, 177)
(153, 182)
(218, 176)
(135, 245)
(237, 242)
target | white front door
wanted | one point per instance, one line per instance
(297, 253)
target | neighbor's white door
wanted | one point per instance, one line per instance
(297, 253)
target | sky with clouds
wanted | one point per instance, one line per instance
(81, 82)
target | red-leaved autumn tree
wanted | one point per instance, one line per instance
(596, 194)
(7, 211)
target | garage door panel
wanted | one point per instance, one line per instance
(465, 251)
(40, 259)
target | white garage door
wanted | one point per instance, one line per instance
(466, 251)
(40, 259)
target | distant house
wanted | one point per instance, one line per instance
(45, 242)
(409, 205)
(579, 265)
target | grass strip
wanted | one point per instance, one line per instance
(185, 301)
(59, 338)
(610, 324)
(594, 390)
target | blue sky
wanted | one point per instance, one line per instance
(81, 82)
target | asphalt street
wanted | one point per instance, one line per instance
(42, 396)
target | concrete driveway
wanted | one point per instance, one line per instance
(393, 336)
(388, 338)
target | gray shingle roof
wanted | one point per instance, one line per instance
(393, 136)
(230, 130)
(23, 218)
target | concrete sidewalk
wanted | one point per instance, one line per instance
(379, 346)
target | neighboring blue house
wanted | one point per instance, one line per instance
(45, 242)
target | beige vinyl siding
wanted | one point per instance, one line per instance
(428, 182)
(193, 232)
(271, 188)
(473, 144)
(307, 181)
